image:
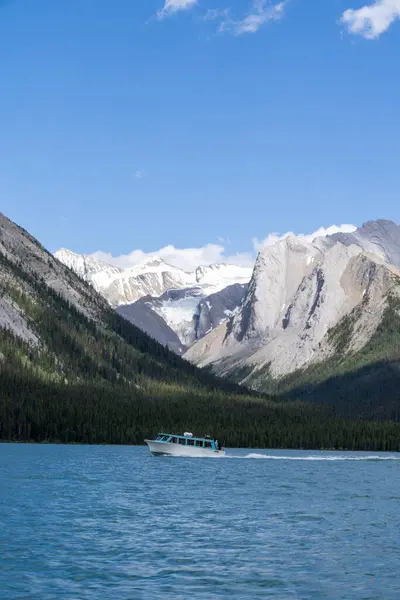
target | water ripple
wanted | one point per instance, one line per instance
(110, 523)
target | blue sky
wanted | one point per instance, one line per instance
(136, 124)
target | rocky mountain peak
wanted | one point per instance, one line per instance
(278, 272)
(299, 291)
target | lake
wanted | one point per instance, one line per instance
(115, 523)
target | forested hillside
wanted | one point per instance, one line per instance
(73, 370)
(359, 384)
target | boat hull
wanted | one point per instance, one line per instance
(168, 449)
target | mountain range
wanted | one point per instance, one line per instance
(175, 307)
(312, 307)
(72, 369)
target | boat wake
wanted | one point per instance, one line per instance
(371, 457)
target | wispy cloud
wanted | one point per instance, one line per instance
(223, 240)
(261, 12)
(138, 174)
(214, 14)
(184, 258)
(173, 6)
(372, 20)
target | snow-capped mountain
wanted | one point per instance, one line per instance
(184, 305)
(124, 286)
(192, 303)
(300, 291)
(210, 296)
(151, 278)
(99, 273)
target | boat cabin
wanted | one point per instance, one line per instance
(187, 440)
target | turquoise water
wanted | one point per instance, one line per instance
(114, 523)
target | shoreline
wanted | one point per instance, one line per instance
(265, 449)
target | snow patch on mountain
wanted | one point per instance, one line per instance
(188, 313)
(180, 314)
(221, 275)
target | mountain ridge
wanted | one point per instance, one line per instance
(299, 291)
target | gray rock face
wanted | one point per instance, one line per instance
(143, 315)
(299, 291)
(380, 237)
(278, 271)
(20, 247)
(216, 308)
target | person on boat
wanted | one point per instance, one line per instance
(217, 445)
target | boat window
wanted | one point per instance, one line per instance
(174, 440)
(165, 438)
(208, 444)
(190, 442)
(182, 441)
(159, 438)
(199, 443)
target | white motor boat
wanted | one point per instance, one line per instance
(167, 444)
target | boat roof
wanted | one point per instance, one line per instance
(186, 437)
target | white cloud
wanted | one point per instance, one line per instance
(138, 174)
(184, 258)
(272, 238)
(172, 6)
(324, 231)
(372, 20)
(261, 12)
(190, 258)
